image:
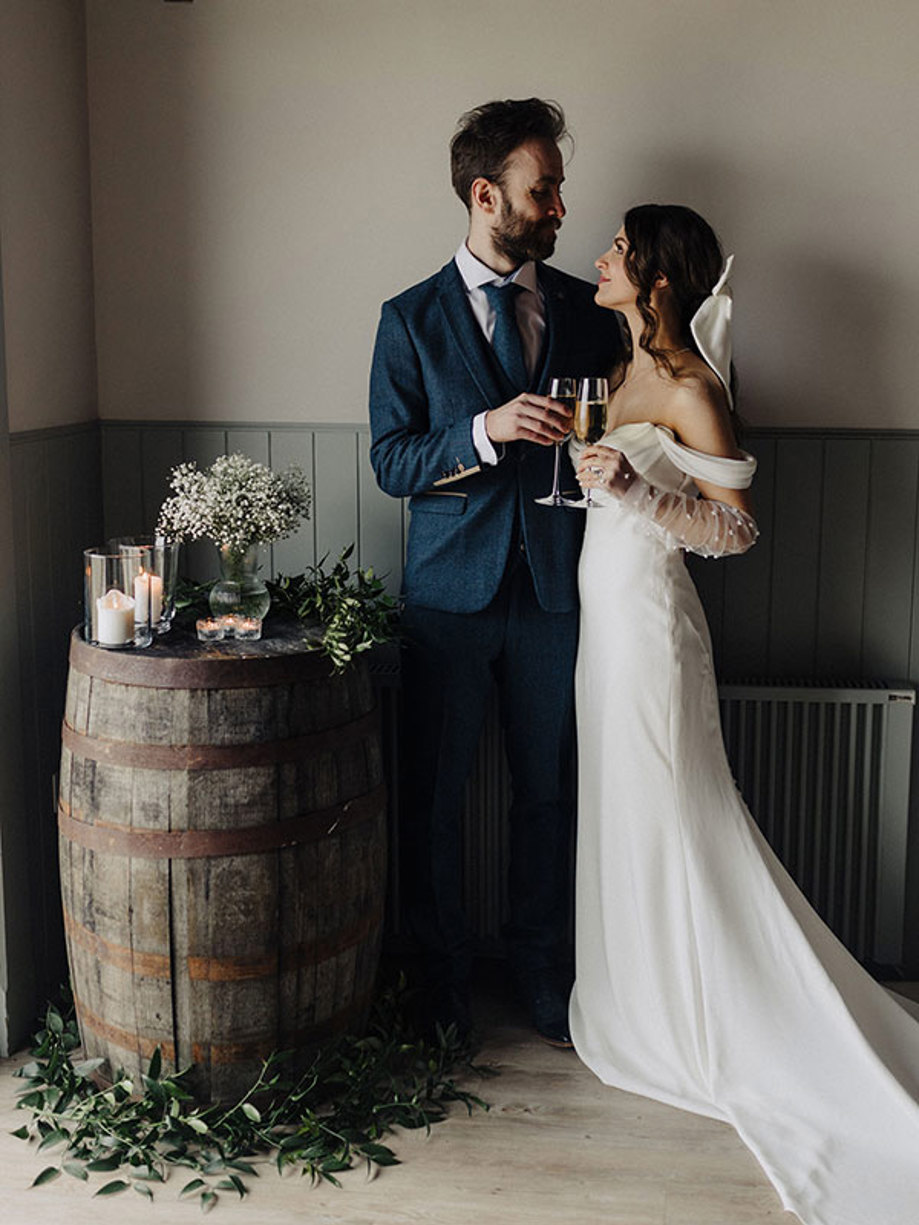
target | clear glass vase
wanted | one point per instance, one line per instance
(239, 591)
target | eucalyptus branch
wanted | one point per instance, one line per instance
(351, 609)
(324, 1119)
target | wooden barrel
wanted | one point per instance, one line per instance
(223, 853)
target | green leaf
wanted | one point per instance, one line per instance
(149, 1173)
(379, 1154)
(112, 1188)
(75, 1170)
(103, 1164)
(32, 1101)
(196, 1124)
(54, 1021)
(48, 1174)
(244, 1166)
(57, 1136)
(142, 1189)
(233, 1183)
(87, 1066)
(21, 1133)
(208, 1200)
(194, 1185)
(251, 1112)
(156, 1065)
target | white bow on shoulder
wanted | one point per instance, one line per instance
(711, 328)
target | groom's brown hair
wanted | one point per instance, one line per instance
(487, 135)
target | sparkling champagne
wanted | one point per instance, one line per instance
(589, 420)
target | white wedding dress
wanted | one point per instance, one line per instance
(703, 977)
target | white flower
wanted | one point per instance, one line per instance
(236, 503)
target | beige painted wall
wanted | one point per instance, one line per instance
(44, 214)
(265, 172)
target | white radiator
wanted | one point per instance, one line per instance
(825, 772)
(824, 769)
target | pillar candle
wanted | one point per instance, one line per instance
(148, 590)
(115, 618)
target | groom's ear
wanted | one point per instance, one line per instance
(661, 281)
(484, 194)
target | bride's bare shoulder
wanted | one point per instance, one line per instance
(696, 409)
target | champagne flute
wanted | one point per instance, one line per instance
(566, 392)
(589, 424)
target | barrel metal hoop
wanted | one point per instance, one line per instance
(222, 1052)
(134, 1042)
(215, 756)
(225, 969)
(203, 844)
(204, 1053)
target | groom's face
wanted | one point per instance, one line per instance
(531, 208)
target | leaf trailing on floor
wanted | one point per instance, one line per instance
(323, 1120)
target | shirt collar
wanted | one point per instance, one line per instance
(475, 274)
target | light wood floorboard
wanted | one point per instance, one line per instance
(556, 1147)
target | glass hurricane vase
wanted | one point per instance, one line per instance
(239, 589)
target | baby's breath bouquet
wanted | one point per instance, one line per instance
(236, 503)
(239, 504)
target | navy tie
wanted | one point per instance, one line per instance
(506, 340)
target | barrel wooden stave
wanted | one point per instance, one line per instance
(222, 959)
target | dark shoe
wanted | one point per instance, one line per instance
(550, 1018)
(548, 1008)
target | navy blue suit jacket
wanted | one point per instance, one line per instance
(432, 372)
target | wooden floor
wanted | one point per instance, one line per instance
(556, 1147)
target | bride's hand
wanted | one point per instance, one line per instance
(605, 468)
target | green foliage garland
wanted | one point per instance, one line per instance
(354, 611)
(324, 1121)
(343, 613)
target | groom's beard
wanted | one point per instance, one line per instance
(521, 240)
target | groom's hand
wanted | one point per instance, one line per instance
(529, 418)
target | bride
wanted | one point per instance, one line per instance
(703, 977)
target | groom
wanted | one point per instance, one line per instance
(460, 427)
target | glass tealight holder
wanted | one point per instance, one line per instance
(162, 568)
(116, 601)
(210, 629)
(247, 628)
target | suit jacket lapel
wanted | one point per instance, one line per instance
(474, 348)
(557, 323)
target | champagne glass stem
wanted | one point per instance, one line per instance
(556, 495)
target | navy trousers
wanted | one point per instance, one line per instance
(450, 661)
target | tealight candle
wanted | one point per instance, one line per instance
(148, 594)
(115, 619)
(210, 629)
(248, 627)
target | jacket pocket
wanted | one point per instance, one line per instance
(446, 503)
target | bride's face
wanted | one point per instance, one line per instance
(615, 290)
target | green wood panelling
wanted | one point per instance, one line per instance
(293, 555)
(827, 591)
(747, 579)
(830, 590)
(203, 444)
(56, 484)
(381, 541)
(122, 482)
(843, 541)
(795, 537)
(890, 558)
(335, 492)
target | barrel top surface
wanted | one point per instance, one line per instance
(177, 660)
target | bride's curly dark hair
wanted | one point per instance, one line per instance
(672, 240)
